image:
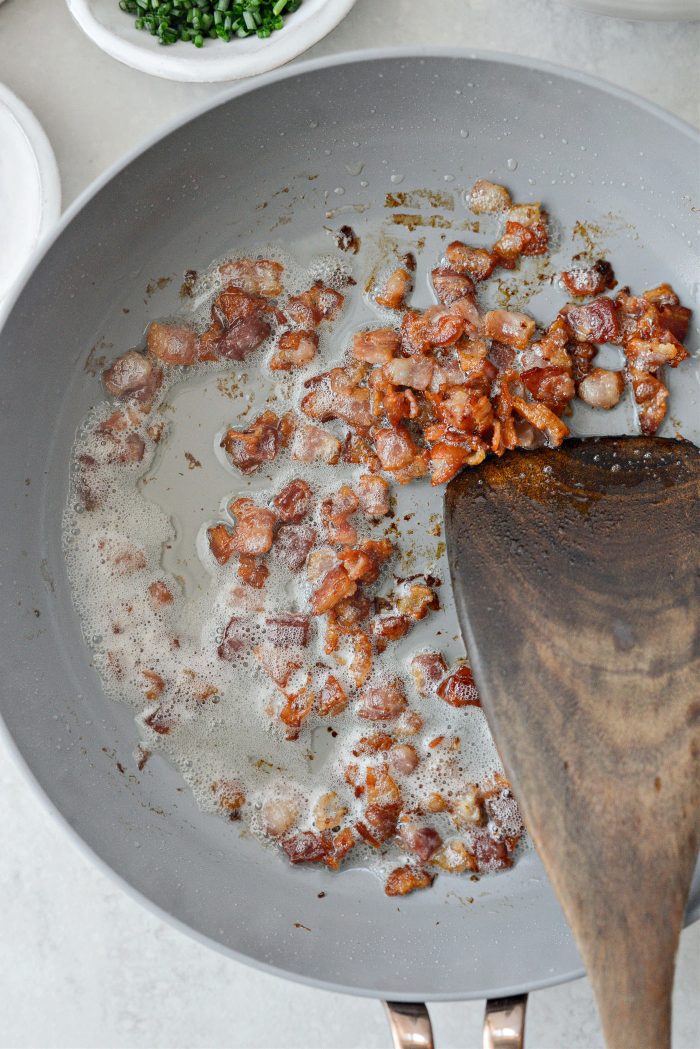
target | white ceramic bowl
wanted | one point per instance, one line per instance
(657, 10)
(113, 31)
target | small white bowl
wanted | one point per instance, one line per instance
(113, 31)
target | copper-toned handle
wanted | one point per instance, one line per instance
(410, 1025)
(504, 1023)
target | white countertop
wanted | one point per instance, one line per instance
(81, 964)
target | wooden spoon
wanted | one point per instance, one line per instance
(576, 575)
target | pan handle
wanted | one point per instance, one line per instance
(410, 1025)
(504, 1023)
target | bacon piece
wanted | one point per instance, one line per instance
(335, 586)
(288, 629)
(313, 444)
(397, 451)
(649, 354)
(337, 395)
(459, 689)
(381, 702)
(512, 329)
(389, 628)
(155, 683)
(582, 356)
(474, 262)
(346, 619)
(450, 285)
(415, 372)
(593, 279)
(488, 198)
(159, 721)
(377, 346)
(229, 796)
(249, 449)
(436, 326)
(307, 847)
(597, 321)
(446, 460)
(464, 409)
(335, 514)
(373, 493)
(240, 636)
(365, 562)
(320, 562)
(427, 670)
(278, 816)
(253, 531)
(403, 758)
(520, 238)
(329, 811)
(361, 662)
(242, 338)
(602, 388)
(171, 343)
(358, 451)
(662, 295)
(543, 419)
(332, 699)
(293, 502)
(298, 705)
(255, 276)
(403, 880)
(295, 349)
(552, 386)
(252, 571)
(160, 594)
(317, 304)
(651, 395)
(342, 844)
(417, 602)
(135, 377)
(455, 857)
(292, 545)
(491, 855)
(379, 823)
(396, 288)
(221, 543)
(422, 841)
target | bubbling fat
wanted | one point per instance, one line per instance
(145, 537)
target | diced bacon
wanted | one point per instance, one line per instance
(459, 689)
(662, 295)
(636, 316)
(298, 705)
(252, 571)
(396, 448)
(374, 495)
(229, 796)
(249, 449)
(415, 372)
(172, 343)
(288, 630)
(464, 410)
(377, 743)
(467, 809)
(417, 601)
(377, 346)
(651, 395)
(450, 285)
(446, 460)
(520, 239)
(436, 326)
(240, 636)
(475, 262)
(403, 880)
(527, 215)
(336, 398)
(597, 321)
(403, 758)
(395, 289)
(317, 304)
(278, 816)
(277, 662)
(234, 304)
(593, 279)
(397, 404)
(491, 855)
(379, 823)
(342, 844)
(410, 723)
(602, 388)
(221, 543)
(358, 451)
(422, 841)
(293, 502)
(381, 702)
(488, 197)
(313, 444)
(675, 319)
(649, 354)
(543, 419)
(255, 276)
(552, 386)
(582, 356)
(253, 531)
(335, 586)
(133, 376)
(388, 628)
(361, 662)
(365, 562)
(427, 670)
(295, 349)
(293, 544)
(455, 857)
(346, 619)
(242, 338)
(160, 594)
(512, 329)
(307, 847)
(329, 811)
(332, 699)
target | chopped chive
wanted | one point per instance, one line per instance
(192, 21)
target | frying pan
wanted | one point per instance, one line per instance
(409, 120)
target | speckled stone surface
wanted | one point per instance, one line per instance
(82, 964)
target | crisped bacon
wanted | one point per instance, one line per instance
(365, 562)
(451, 285)
(332, 699)
(398, 451)
(373, 494)
(403, 880)
(417, 601)
(381, 702)
(292, 545)
(317, 304)
(252, 571)
(582, 356)
(403, 758)
(133, 376)
(335, 516)
(597, 321)
(601, 388)
(651, 395)
(337, 395)
(221, 543)
(377, 346)
(293, 502)
(255, 276)
(253, 531)
(488, 197)
(395, 289)
(379, 823)
(512, 329)
(446, 460)
(240, 636)
(335, 586)
(423, 842)
(288, 629)
(521, 238)
(329, 812)
(249, 449)
(552, 386)
(307, 847)
(436, 326)
(237, 328)
(295, 349)
(650, 354)
(172, 343)
(582, 281)
(415, 372)
(388, 628)
(474, 262)
(297, 707)
(320, 562)
(427, 670)
(313, 444)
(459, 689)
(543, 419)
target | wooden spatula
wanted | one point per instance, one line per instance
(576, 575)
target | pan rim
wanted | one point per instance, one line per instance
(235, 91)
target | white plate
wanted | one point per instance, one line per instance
(30, 189)
(113, 30)
(658, 10)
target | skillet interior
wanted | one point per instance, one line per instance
(592, 155)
